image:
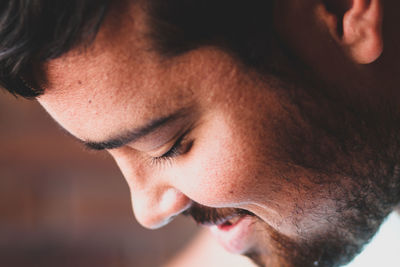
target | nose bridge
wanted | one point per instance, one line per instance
(155, 200)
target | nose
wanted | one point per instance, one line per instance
(156, 209)
(155, 200)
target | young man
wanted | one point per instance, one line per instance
(275, 123)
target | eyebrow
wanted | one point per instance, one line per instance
(135, 134)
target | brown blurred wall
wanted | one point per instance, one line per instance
(63, 206)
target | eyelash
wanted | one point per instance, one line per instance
(179, 148)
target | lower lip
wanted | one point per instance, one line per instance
(237, 238)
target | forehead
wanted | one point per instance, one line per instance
(120, 82)
(118, 76)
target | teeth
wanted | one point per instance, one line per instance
(233, 220)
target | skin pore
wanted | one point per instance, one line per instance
(203, 135)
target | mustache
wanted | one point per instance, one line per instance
(213, 216)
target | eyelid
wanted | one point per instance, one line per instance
(159, 139)
(180, 136)
(176, 141)
(180, 147)
(164, 148)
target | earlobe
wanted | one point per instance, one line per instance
(358, 29)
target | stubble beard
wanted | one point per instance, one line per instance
(352, 154)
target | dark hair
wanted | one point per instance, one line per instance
(243, 28)
(33, 31)
(38, 30)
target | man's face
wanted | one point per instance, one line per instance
(254, 155)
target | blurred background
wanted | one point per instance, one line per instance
(61, 205)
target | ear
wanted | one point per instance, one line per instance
(357, 27)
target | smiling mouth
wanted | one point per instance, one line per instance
(233, 228)
(223, 217)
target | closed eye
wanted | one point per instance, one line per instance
(180, 147)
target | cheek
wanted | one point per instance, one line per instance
(216, 172)
(216, 181)
(232, 167)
